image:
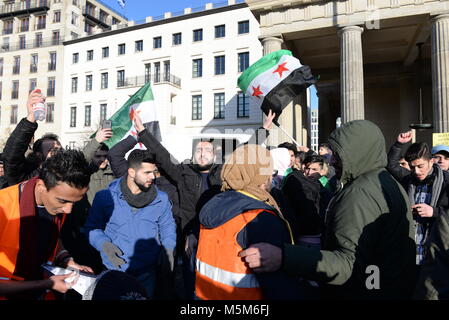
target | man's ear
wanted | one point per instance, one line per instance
(131, 173)
(40, 185)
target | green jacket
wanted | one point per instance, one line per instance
(369, 223)
(99, 179)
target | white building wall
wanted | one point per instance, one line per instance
(170, 99)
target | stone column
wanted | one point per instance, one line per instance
(271, 44)
(440, 72)
(351, 74)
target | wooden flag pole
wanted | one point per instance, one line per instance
(278, 125)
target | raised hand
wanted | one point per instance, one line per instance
(405, 137)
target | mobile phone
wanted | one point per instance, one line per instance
(107, 124)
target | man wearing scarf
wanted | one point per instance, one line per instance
(132, 221)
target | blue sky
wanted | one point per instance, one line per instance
(140, 9)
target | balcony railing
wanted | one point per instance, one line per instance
(30, 45)
(24, 28)
(155, 79)
(15, 69)
(51, 66)
(15, 94)
(22, 7)
(40, 26)
(51, 92)
(33, 68)
(7, 31)
(104, 20)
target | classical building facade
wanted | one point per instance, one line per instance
(192, 59)
(32, 52)
(380, 60)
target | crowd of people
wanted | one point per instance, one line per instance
(280, 223)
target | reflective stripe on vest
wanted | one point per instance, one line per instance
(237, 280)
(221, 274)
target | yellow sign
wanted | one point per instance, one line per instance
(440, 138)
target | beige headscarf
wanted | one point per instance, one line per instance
(247, 168)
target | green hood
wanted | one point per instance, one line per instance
(361, 147)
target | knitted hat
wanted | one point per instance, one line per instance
(247, 168)
(281, 160)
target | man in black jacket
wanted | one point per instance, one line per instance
(426, 185)
(197, 183)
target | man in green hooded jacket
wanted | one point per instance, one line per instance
(368, 250)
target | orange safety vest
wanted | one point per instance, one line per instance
(10, 224)
(220, 273)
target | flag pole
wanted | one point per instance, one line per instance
(285, 132)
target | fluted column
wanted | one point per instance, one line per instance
(271, 44)
(440, 72)
(351, 74)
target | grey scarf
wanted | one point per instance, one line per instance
(139, 200)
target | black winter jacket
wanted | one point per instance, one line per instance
(17, 167)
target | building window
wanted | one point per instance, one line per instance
(148, 72)
(14, 111)
(75, 85)
(51, 87)
(177, 38)
(16, 66)
(220, 31)
(115, 21)
(1, 66)
(243, 61)
(157, 42)
(74, 19)
(90, 55)
(197, 107)
(8, 26)
(121, 78)
(33, 84)
(57, 16)
(87, 115)
(157, 72)
(22, 42)
(55, 38)
(38, 40)
(104, 80)
(41, 22)
(52, 63)
(88, 28)
(89, 82)
(219, 65)
(243, 27)
(219, 105)
(139, 45)
(1, 89)
(75, 58)
(167, 70)
(24, 24)
(242, 105)
(121, 49)
(50, 113)
(5, 45)
(197, 68)
(105, 52)
(73, 117)
(198, 35)
(103, 111)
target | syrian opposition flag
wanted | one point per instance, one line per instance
(274, 81)
(122, 121)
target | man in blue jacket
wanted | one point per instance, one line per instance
(131, 223)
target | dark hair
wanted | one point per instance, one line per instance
(289, 146)
(325, 145)
(418, 150)
(138, 156)
(37, 146)
(313, 159)
(301, 155)
(68, 166)
(103, 147)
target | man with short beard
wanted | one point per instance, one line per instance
(132, 221)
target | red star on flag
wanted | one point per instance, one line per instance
(131, 114)
(257, 91)
(281, 68)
